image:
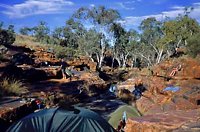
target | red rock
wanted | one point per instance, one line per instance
(162, 121)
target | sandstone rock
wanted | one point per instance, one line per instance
(43, 56)
(162, 122)
(83, 63)
(144, 104)
(93, 81)
(51, 72)
(10, 114)
(130, 84)
(12, 71)
(190, 68)
(183, 104)
(34, 75)
(22, 58)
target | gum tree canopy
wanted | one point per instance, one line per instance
(100, 19)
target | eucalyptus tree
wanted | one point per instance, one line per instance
(193, 47)
(178, 31)
(100, 19)
(119, 35)
(133, 46)
(89, 43)
(24, 30)
(121, 44)
(27, 30)
(58, 33)
(151, 36)
(41, 31)
(11, 29)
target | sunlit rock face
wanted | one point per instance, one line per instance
(163, 122)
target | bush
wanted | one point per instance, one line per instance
(193, 48)
(12, 87)
(6, 37)
(63, 52)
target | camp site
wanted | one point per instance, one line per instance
(99, 66)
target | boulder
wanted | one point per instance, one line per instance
(34, 74)
(130, 84)
(41, 56)
(164, 122)
(92, 81)
(12, 71)
(83, 63)
(51, 72)
(190, 68)
(22, 58)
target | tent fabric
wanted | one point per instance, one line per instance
(62, 120)
(172, 88)
(124, 111)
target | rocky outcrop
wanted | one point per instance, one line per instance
(93, 82)
(52, 72)
(190, 68)
(10, 114)
(163, 122)
(130, 84)
(83, 63)
(43, 56)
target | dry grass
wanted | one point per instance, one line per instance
(12, 87)
(28, 41)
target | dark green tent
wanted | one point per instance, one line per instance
(62, 120)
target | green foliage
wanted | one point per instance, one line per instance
(89, 43)
(179, 30)
(7, 37)
(41, 31)
(95, 32)
(63, 52)
(97, 15)
(58, 33)
(12, 87)
(193, 46)
(25, 31)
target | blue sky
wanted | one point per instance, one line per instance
(55, 12)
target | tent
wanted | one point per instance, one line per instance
(59, 119)
(119, 113)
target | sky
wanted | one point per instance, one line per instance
(23, 13)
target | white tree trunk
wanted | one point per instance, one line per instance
(118, 60)
(159, 56)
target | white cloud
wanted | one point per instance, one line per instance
(178, 7)
(197, 4)
(35, 7)
(128, 5)
(92, 5)
(176, 10)
(129, 2)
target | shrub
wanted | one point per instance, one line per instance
(12, 87)
(63, 52)
(6, 37)
(193, 48)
